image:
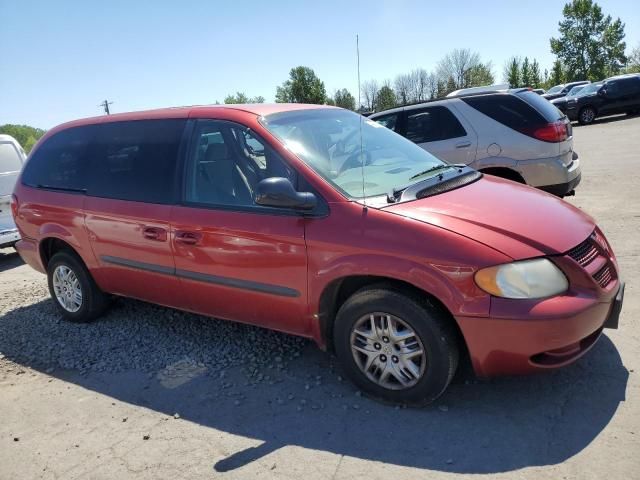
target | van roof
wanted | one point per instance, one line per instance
(259, 109)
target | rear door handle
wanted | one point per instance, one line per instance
(154, 233)
(463, 144)
(188, 238)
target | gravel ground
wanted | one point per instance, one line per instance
(149, 392)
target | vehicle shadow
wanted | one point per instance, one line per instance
(603, 120)
(477, 427)
(9, 259)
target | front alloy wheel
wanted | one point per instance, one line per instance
(395, 345)
(587, 115)
(388, 351)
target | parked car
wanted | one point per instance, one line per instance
(620, 94)
(316, 221)
(11, 158)
(561, 90)
(561, 103)
(514, 134)
(539, 91)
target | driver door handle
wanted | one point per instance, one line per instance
(463, 144)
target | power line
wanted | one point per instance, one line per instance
(105, 105)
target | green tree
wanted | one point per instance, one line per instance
(525, 81)
(25, 135)
(536, 79)
(557, 75)
(303, 86)
(385, 98)
(590, 44)
(479, 75)
(240, 97)
(343, 99)
(512, 72)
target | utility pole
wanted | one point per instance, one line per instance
(105, 105)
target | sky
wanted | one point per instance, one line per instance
(60, 59)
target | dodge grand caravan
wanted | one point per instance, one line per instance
(315, 221)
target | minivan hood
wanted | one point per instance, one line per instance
(514, 219)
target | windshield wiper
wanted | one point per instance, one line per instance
(62, 189)
(394, 195)
(435, 168)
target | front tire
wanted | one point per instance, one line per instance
(73, 289)
(396, 347)
(586, 116)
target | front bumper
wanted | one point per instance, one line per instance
(548, 334)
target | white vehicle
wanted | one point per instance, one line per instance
(514, 134)
(12, 157)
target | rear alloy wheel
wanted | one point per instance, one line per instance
(394, 346)
(587, 115)
(73, 290)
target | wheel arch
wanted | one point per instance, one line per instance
(339, 290)
(504, 172)
(49, 246)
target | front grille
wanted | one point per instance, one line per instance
(595, 247)
(585, 253)
(603, 276)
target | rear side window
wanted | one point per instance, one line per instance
(432, 124)
(136, 160)
(60, 161)
(628, 86)
(510, 110)
(9, 158)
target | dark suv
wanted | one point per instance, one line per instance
(620, 94)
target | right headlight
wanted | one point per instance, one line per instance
(536, 278)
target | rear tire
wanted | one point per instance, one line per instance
(586, 116)
(73, 289)
(368, 351)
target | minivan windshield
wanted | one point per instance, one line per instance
(9, 158)
(333, 141)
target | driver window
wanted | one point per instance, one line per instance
(226, 163)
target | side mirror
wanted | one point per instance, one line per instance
(279, 192)
(602, 92)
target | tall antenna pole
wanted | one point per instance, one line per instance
(364, 197)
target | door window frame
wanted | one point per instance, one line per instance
(187, 151)
(405, 121)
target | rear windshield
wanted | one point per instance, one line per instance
(556, 89)
(9, 158)
(542, 105)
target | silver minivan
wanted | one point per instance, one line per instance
(514, 134)
(12, 156)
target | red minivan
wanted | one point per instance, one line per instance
(315, 221)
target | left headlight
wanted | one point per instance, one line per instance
(536, 278)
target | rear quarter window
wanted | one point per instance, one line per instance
(60, 161)
(509, 110)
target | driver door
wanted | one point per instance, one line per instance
(238, 260)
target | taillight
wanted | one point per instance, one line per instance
(550, 132)
(14, 206)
